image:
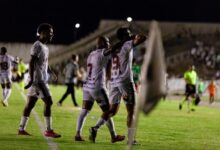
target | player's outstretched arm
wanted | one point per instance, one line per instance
(113, 48)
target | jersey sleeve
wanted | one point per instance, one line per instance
(128, 45)
(35, 50)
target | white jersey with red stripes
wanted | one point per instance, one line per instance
(96, 70)
(121, 70)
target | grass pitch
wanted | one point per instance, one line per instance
(166, 128)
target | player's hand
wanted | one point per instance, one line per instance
(54, 76)
(29, 84)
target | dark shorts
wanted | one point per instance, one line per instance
(190, 90)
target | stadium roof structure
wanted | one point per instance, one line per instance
(170, 31)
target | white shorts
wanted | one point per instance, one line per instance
(125, 91)
(5, 78)
(100, 96)
(40, 90)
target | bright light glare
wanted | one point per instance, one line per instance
(77, 25)
(129, 19)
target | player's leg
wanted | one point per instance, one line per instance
(86, 107)
(44, 93)
(212, 98)
(129, 98)
(3, 94)
(26, 113)
(186, 96)
(7, 92)
(72, 92)
(105, 107)
(64, 95)
(48, 119)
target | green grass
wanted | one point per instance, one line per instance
(166, 128)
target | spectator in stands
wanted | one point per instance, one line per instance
(190, 77)
(71, 74)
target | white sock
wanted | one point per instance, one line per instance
(81, 120)
(48, 121)
(111, 127)
(8, 93)
(131, 133)
(23, 123)
(99, 123)
(4, 93)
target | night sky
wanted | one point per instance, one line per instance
(20, 18)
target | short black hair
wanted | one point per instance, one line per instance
(74, 56)
(43, 27)
(3, 50)
(121, 32)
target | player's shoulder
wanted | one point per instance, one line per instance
(128, 43)
(9, 56)
(37, 45)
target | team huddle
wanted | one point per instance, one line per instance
(107, 63)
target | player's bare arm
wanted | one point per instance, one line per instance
(52, 73)
(31, 71)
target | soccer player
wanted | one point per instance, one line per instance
(94, 89)
(71, 74)
(5, 75)
(212, 89)
(190, 77)
(121, 82)
(38, 77)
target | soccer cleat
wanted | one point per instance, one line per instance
(52, 134)
(118, 138)
(4, 103)
(23, 132)
(180, 106)
(93, 134)
(79, 138)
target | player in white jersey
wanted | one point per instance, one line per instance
(121, 83)
(5, 75)
(38, 77)
(94, 89)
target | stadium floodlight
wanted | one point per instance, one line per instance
(129, 19)
(77, 25)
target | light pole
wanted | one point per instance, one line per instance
(76, 28)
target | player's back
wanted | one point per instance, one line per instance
(5, 63)
(96, 65)
(121, 71)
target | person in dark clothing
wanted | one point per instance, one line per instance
(71, 73)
